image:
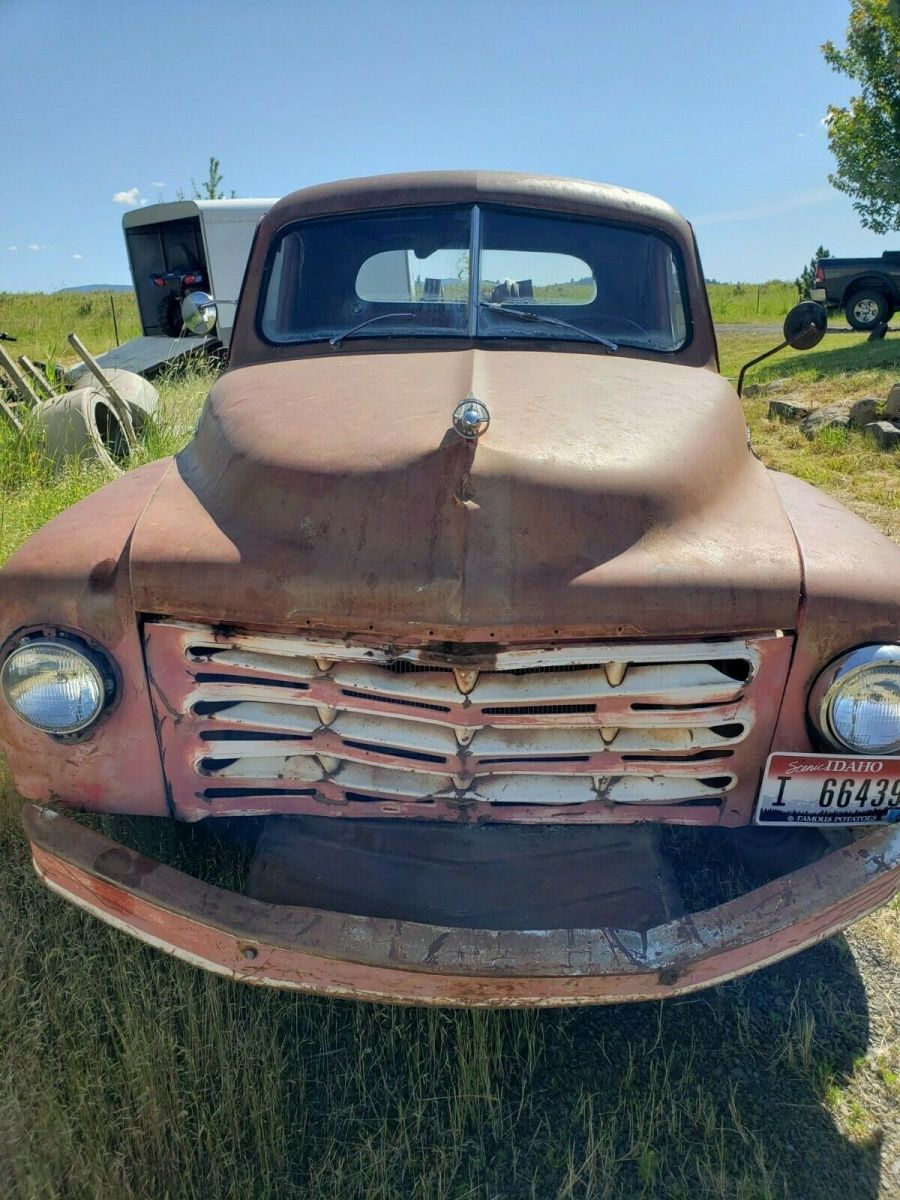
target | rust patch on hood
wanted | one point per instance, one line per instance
(612, 496)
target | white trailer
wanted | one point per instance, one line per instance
(209, 238)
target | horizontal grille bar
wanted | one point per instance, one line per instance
(498, 789)
(388, 735)
(209, 641)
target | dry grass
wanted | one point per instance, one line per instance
(845, 463)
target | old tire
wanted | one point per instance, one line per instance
(867, 309)
(82, 424)
(138, 393)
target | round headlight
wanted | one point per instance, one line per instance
(855, 702)
(54, 686)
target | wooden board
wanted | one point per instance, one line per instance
(147, 355)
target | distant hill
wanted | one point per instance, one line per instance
(97, 287)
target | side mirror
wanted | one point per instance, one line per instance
(804, 327)
(198, 313)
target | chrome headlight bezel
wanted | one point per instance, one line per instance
(98, 663)
(832, 683)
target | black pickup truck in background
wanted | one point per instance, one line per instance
(867, 289)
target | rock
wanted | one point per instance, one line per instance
(885, 433)
(776, 385)
(892, 408)
(787, 410)
(829, 416)
(864, 412)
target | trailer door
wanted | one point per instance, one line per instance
(155, 250)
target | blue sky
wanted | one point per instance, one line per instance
(714, 105)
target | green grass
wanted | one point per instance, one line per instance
(31, 491)
(128, 1075)
(845, 463)
(41, 323)
(753, 303)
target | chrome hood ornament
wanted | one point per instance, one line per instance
(471, 419)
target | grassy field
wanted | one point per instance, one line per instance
(763, 303)
(41, 323)
(845, 463)
(125, 1074)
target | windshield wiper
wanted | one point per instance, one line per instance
(611, 347)
(401, 316)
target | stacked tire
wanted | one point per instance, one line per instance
(83, 423)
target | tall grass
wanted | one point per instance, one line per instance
(32, 490)
(126, 1074)
(752, 303)
(41, 323)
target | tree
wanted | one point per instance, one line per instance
(807, 276)
(210, 188)
(865, 137)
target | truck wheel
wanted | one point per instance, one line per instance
(867, 310)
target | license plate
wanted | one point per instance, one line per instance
(828, 789)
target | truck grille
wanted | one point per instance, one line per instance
(265, 723)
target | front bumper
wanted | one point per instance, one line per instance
(373, 958)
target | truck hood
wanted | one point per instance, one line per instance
(610, 497)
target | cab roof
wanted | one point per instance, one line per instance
(472, 187)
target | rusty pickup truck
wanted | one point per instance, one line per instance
(471, 614)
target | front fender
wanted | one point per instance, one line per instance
(851, 585)
(73, 574)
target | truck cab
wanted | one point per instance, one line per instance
(471, 605)
(866, 289)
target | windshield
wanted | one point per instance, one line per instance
(409, 273)
(612, 281)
